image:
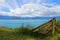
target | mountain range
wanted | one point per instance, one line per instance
(14, 17)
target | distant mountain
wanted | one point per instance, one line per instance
(8, 17)
(58, 17)
(14, 17)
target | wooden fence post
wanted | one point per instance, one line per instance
(53, 26)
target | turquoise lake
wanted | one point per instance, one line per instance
(18, 23)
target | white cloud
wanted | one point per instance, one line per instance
(1, 1)
(32, 10)
(48, 4)
(55, 9)
(27, 10)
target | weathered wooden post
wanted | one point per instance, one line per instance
(53, 26)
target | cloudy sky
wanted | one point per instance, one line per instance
(30, 8)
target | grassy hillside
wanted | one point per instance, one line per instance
(23, 33)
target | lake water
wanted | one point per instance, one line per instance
(18, 23)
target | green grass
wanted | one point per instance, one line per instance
(23, 33)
